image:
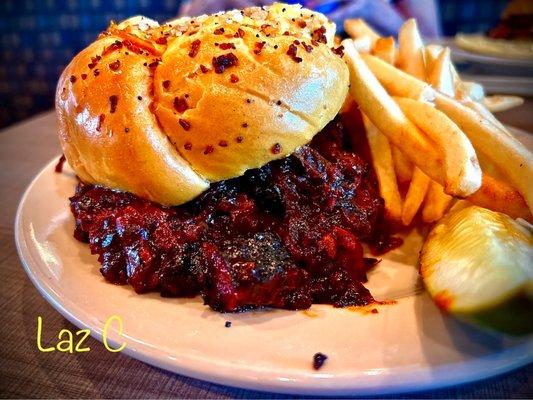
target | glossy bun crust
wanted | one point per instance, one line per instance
(162, 111)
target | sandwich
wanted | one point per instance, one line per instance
(213, 160)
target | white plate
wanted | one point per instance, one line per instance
(459, 54)
(494, 84)
(407, 346)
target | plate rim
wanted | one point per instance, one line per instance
(381, 382)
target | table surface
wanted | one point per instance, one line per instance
(25, 372)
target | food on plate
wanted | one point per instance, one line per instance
(512, 37)
(516, 21)
(504, 150)
(212, 160)
(247, 156)
(380, 151)
(458, 149)
(411, 59)
(477, 264)
(169, 91)
(499, 103)
(479, 43)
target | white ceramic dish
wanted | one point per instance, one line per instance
(494, 84)
(407, 346)
(461, 55)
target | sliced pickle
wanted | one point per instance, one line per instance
(477, 264)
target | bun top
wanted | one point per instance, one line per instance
(162, 111)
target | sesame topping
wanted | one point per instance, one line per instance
(184, 124)
(180, 104)
(113, 101)
(195, 48)
(224, 61)
(276, 148)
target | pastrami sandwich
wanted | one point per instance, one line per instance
(212, 160)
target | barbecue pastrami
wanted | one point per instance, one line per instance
(286, 235)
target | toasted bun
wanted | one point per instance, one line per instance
(162, 111)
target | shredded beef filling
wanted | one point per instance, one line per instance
(286, 235)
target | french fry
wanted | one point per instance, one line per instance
(363, 44)
(486, 114)
(381, 109)
(415, 195)
(383, 166)
(497, 195)
(385, 49)
(432, 53)
(357, 28)
(397, 82)
(411, 53)
(440, 76)
(507, 153)
(502, 103)
(463, 175)
(402, 166)
(436, 203)
(469, 90)
(411, 59)
(440, 73)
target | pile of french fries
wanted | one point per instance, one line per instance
(431, 136)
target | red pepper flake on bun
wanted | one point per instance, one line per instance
(184, 124)
(291, 52)
(195, 48)
(180, 104)
(227, 46)
(223, 62)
